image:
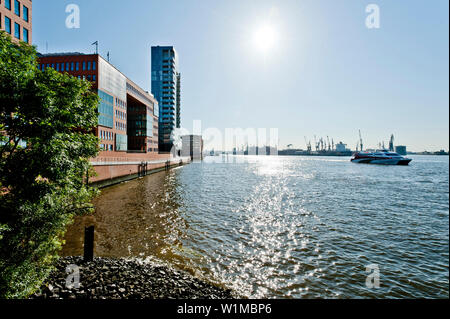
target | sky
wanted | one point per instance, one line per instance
(306, 67)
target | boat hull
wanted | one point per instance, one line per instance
(377, 161)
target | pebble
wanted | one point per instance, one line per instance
(107, 278)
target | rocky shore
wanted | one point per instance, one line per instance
(126, 279)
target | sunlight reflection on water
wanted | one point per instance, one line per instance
(286, 227)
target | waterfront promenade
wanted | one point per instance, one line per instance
(112, 169)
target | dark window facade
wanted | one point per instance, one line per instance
(25, 35)
(25, 13)
(17, 30)
(8, 25)
(17, 7)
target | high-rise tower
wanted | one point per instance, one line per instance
(166, 87)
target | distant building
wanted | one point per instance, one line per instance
(400, 149)
(341, 147)
(291, 152)
(441, 152)
(128, 120)
(16, 19)
(192, 146)
(166, 87)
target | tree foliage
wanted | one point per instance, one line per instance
(46, 140)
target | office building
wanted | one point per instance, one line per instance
(400, 149)
(16, 19)
(192, 146)
(166, 87)
(128, 120)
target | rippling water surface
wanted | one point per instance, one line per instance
(286, 227)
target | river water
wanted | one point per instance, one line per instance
(286, 227)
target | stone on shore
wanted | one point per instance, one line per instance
(105, 278)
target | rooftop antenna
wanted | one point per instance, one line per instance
(96, 46)
(108, 56)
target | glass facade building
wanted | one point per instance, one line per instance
(106, 109)
(126, 120)
(166, 85)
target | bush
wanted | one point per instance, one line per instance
(46, 140)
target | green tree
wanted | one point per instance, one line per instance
(46, 124)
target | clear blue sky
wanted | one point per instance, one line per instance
(327, 74)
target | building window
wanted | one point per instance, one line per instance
(62, 66)
(67, 66)
(94, 78)
(17, 30)
(84, 65)
(25, 13)
(93, 66)
(17, 7)
(8, 25)
(71, 66)
(89, 66)
(25, 36)
(8, 4)
(57, 66)
(77, 66)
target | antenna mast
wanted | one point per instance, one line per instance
(96, 46)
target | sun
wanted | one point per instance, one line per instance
(264, 37)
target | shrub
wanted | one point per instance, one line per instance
(46, 140)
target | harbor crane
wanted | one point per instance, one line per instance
(316, 144)
(308, 145)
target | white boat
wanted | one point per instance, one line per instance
(382, 157)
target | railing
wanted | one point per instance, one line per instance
(116, 161)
